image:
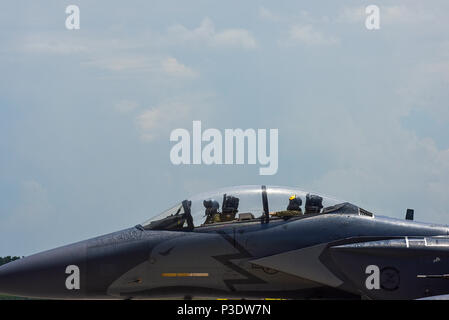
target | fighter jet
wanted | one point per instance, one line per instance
(246, 242)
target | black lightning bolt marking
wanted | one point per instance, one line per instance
(165, 253)
(225, 259)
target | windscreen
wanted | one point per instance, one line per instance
(176, 210)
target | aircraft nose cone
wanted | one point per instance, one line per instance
(55, 273)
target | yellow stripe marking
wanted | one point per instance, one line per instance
(186, 274)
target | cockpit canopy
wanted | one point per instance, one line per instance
(247, 203)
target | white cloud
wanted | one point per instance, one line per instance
(401, 14)
(39, 44)
(234, 38)
(292, 17)
(130, 63)
(301, 27)
(167, 66)
(352, 15)
(160, 119)
(113, 54)
(307, 35)
(206, 34)
(173, 67)
(179, 112)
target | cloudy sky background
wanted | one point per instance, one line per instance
(85, 115)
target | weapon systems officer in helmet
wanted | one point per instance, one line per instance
(294, 203)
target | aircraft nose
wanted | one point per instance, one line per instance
(56, 273)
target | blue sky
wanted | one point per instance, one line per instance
(85, 115)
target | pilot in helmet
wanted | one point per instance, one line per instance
(211, 212)
(294, 203)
